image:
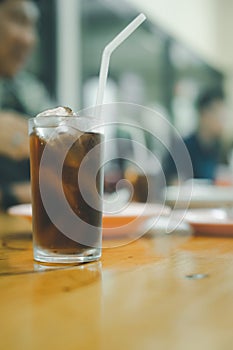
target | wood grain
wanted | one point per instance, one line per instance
(139, 296)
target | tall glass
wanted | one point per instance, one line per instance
(67, 185)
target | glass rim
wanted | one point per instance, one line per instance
(64, 117)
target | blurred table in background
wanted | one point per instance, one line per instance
(195, 194)
(159, 292)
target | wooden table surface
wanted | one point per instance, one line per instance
(139, 296)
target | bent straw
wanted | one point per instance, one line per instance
(108, 50)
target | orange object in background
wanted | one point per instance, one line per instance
(140, 185)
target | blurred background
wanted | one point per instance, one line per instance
(181, 49)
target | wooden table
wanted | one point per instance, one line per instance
(139, 296)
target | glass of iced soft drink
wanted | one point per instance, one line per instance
(67, 185)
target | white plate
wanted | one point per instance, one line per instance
(22, 210)
(200, 196)
(211, 222)
(129, 221)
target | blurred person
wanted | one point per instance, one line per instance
(21, 96)
(204, 145)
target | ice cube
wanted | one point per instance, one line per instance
(44, 133)
(44, 120)
(58, 111)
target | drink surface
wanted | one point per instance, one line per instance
(76, 147)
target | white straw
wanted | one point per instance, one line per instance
(108, 50)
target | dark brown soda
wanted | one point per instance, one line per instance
(46, 234)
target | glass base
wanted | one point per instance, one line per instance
(87, 255)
